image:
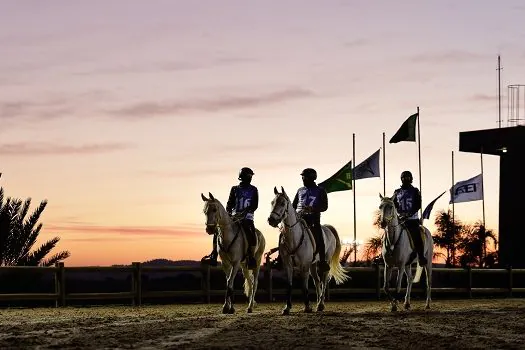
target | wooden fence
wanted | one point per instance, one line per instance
(136, 294)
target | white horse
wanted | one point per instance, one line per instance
(233, 248)
(397, 252)
(297, 251)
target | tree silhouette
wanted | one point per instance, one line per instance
(447, 235)
(473, 245)
(19, 232)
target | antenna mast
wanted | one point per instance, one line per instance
(499, 90)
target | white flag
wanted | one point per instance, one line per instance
(467, 191)
(368, 168)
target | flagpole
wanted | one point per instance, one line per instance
(384, 166)
(353, 191)
(419, 154)
(483, 204)
(453, 195)
(482, 188)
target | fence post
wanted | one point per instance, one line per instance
(205, 282)
(57, 285)
(136, 283)
(268, 278)
(62, 283)
(378, 281)
(469, 276)
(509, 269)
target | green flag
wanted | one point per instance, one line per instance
(407, 131)
(340, 181)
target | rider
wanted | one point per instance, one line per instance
(310, 200)
(242, 203)
(407, 200)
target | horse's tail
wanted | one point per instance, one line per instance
(336, 270)
(261, 246)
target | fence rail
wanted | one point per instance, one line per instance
(136, 294)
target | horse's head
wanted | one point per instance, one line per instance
(279, 209)
(213, 213)
(387, 211)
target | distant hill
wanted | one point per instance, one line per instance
(166, 262)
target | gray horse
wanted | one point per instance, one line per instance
(297, 248)
(233, 247)
(397, 252)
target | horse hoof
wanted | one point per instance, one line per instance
(225, 309)
(286, 312)
(393, 308)
(232, 310)
(249, 310)
(320, 307)
(407, 306)
(308, 309)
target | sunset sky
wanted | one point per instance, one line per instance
(120, 113)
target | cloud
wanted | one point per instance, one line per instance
(50, 107)
(355, 43)
(146, 109)
(82, 228)
(485, 98)
(454, 56)
(167, 66)
(42, 148)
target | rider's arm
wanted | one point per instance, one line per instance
(254, 204)
(231, 200)
(417, 202)
(322, 204)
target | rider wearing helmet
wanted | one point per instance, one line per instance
(407, 200)
(310, 200)
(242, 203)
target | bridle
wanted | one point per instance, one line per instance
(284, 215)
(388, 220)
(218, 227)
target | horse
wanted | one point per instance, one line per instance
(297, 248)
(233, 248)
(397, 252)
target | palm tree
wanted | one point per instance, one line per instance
(19, 232)
(473, 243)
(448, 232)
(373, 247)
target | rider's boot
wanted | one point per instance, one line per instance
(210, 259)
(418, 240)
(323, 265)
(250, 258)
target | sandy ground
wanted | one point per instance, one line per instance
(462, 324)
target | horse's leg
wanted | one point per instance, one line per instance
(305, 275)
(410, 278)
(428, 275)
(386, 285)
(325, 279)
(289, 274)
(229, 289)
(248, 286)
(317, 284)
(255, 283)
(227, 268)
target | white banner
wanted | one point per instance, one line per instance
(468, 190)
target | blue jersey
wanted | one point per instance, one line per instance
(243, 197)
(408, 201)
(313, 196)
